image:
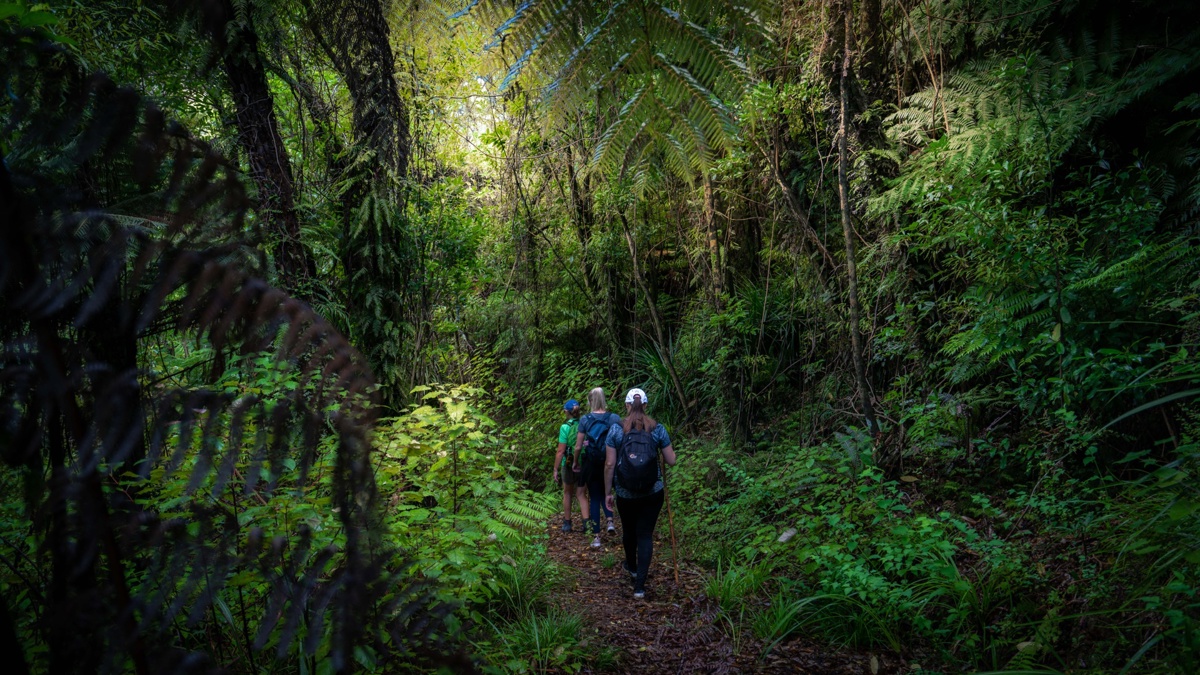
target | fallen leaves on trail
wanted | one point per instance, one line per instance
(676, 629)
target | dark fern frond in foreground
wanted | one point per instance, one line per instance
(133, 575)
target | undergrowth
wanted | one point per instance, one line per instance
(816, 540)
(470, 522)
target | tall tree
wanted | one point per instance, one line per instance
(711, 236)
(234, 36)
(355, 37)
(844, 14)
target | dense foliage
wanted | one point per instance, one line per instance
(294, 290)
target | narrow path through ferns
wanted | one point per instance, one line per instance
(676, 629)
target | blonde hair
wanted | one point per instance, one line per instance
(596, 399)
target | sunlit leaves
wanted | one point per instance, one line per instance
(667, 69)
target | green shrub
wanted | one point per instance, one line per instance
(457, 507)
(782, 616)
(1161, 549)
(872, 567)
(848, 620)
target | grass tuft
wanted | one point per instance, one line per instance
(524, 580)
(733, 584)
(541, 643)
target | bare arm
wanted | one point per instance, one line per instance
(562, 448)
(669, 455)
(578, 447)
(610, 463)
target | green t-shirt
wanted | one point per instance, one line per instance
(566, 434)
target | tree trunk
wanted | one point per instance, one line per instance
(10, 643)
(584, 218)
(871, 68)
(716, 272)
(655, 319)
(258, 134)
(860, 370)
(382, 261)
(354, 34)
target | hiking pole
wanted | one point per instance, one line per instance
(670, 524)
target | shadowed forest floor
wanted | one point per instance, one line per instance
(677, 629)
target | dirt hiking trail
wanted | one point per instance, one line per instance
(676, 629)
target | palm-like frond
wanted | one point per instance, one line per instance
(661, 62)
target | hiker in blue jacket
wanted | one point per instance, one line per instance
(590, 446)
(633, 481)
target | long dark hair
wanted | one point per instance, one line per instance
(637, 417)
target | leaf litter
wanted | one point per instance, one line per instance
(676, 628)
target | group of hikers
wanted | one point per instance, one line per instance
(606, 463)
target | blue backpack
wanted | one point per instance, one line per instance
(595, 438)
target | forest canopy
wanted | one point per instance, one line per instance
(294, 292)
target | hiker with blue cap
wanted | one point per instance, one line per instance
(566, 470)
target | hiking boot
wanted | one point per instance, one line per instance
(596, 542)
(611, 528)
(632, 572)
(566, 526)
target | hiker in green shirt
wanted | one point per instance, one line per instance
(566, 470)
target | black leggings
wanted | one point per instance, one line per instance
(638, 517)
(596, 504)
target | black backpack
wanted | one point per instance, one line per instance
(595, 438)
(637, 462)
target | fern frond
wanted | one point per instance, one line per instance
(583, 50)
(616, 139)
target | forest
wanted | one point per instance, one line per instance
(294, 291)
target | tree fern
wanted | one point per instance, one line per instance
(663, 63)
(1005, 175)
(998, 334)
(1029, 107)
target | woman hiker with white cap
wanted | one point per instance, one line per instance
(563, 462)
(633, 480)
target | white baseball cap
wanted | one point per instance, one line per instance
(636, 392)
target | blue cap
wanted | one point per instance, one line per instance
(570, 405)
